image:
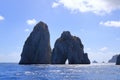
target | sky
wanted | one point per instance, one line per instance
(95, 22)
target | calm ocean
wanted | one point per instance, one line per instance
(12, 71)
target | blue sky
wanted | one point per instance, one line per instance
(96, 22)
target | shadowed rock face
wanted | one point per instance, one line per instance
(69, 47)
(86, 60)
(118, 60)
(37, 48)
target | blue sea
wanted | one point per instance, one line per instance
(13, 71)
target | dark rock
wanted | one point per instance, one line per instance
(86, 60)
(37, 48)
(94, 61)
(118, 60)
(69, 47)
(103, 62)
(113, 59)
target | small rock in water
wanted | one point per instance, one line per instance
(94, 61)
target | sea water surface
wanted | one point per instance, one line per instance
(12, 71)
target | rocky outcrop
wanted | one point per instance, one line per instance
(113, 59)
(103, 62)
(69, 47)
(37, 49)
(118, 60)
(86, 60)
(94, 61)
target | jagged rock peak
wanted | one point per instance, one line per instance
(66, 34)
(40, 25)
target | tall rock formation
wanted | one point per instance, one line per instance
(69, 47)
(113, 59)
(118, 60)
(37, 48)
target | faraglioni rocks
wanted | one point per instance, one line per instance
(69, 47)
(118, 60)
(37, 48)
(113, 59)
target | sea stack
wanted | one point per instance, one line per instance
(69, 47)
(37, 48)
(118, 60)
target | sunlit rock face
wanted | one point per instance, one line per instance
(69, 47)
(118, 60)
(37, 48)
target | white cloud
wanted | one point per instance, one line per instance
(1, 18)
(31, 22)
(27, 30)
(111, 23)
(95, 6)
(54, 5)
(104, 49)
